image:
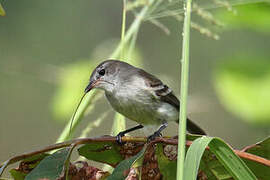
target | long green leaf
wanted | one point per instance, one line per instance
(232, 163)
(193, 157)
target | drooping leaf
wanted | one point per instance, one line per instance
(105, 152)
(232, 163)
(50, 167)
(228, 164)
(193, 157)
(121, 170)
(212, 168)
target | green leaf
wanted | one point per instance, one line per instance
(2, 11)
(27, 165)
(232, 163)
(225, 155)
(193, 157)
(166, 166)
(50, 167)
(124, 166)
(242, 84)
(17, 175)
(212, 168)
(105, 152)
(261, 149)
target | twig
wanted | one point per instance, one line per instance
(76, 142)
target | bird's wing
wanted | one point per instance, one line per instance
(165, 94)
(160, 90)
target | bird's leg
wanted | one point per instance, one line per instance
(158, 132)
(121, 134)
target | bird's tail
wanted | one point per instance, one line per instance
(193, 128)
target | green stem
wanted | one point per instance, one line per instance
(184, 92)
(119, 123)
(132, 29)
(123, 30)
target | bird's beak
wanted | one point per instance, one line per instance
(90, 86)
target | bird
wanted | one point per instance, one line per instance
(139, 96)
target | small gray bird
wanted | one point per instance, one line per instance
(139, 96)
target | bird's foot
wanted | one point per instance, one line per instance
(154, 136)
(119, 138)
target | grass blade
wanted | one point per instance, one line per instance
(232, 163)
(193, 157)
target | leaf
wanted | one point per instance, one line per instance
(26, 166)
(193, 157)
(105, 152)
(242, 84)
(17, 175)
(166, 166)
(212, 168)
(232, 163)
(225, 156)
(261, 149)
(2, 11)
(50, 167)
(119, 172)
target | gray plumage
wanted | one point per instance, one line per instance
(137, 95)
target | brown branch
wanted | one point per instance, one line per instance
(75, 142)
(252, 157)
(67, 144)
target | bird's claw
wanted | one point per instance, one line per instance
(153, 136)
(119, 138)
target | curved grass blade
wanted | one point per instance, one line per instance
(193, 157)
(232, 163)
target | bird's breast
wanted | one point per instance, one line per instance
(139, 105)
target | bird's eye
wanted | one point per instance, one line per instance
(101, 72)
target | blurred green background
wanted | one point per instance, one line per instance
(49, 48)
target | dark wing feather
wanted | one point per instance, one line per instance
(165, 94)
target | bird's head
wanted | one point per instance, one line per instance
(104, 76)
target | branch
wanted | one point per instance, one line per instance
(75, 142)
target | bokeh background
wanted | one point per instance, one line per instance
(49, 48)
